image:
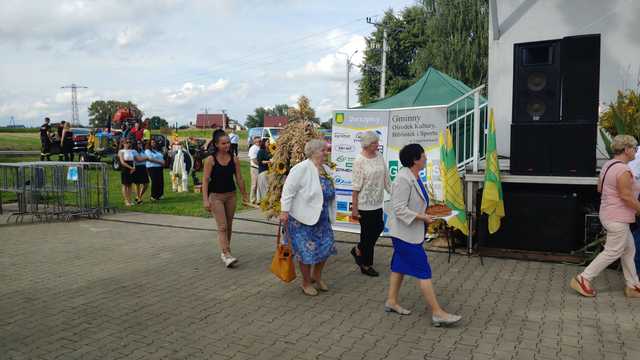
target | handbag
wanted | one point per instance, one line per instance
(282, 263)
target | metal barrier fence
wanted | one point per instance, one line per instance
(52, 190)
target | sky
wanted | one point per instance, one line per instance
(174, 58)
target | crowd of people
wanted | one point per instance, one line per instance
(58, 140)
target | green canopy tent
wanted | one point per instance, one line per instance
(436, 88)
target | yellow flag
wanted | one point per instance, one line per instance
(452, 185)
(492, 198)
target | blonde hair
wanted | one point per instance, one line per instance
(368, 138)
(622, 142)
(67, 126)
(313, 146)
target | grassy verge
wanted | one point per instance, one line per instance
(186, 204)
(19, 141)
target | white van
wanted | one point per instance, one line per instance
(271, 133)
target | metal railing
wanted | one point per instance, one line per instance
(467, 119)
(51, 190)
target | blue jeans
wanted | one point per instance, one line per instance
(636, 240)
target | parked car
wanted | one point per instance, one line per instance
(271, 133)
(80, 139)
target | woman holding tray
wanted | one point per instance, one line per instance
(407, 227)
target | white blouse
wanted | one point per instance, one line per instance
(371, 179)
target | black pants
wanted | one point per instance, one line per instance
(157, 182)
(45, 149)
(68, 155)
(371, 225)
(234, 149)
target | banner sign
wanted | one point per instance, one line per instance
(395, 128)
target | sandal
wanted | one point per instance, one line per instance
(579, 284)
(309, 290)
(320, 285)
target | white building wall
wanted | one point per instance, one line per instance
(618, 22)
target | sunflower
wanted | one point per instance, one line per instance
(332, 165)
(281, 168)
(273, 147)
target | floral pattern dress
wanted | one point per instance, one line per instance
(315, 243)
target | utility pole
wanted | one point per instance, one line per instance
(348, 71)
(206, 112)
(224, 119)
(383, 70)
(12, 122)
(75, 117)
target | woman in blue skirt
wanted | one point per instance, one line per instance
(407, 227)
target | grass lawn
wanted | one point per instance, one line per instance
(19, 141)
(187, 204)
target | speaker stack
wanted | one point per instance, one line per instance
(553, 133)
(555, 107)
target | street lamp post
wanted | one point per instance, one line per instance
(348, 57)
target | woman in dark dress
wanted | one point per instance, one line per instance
(66, 142)
(264, 158)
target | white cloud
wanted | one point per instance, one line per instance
(190, 91)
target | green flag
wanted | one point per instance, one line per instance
(451, 184)
(492, 198)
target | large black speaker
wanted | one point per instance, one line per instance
(549, 220)
(536, 82)
(559, 149)
(580, 67)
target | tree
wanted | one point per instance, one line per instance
(304, 112)
(257, 118)
(451, 36)
(100, 111)
(156, 122)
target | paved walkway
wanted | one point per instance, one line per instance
(111, 290)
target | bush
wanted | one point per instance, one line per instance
(622, 117)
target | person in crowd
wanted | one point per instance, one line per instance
(59, 130)
(125, 130)
(45, 140)
(127, 168)
(219, 191)
(407, 226)
(264, 158)
(140, 176)
(137, 132)
(155, 168)
(253, 167)
(146, 133)
(66, 142)
(618, 208)
(370, 180)
(308, 209)
(234, 138)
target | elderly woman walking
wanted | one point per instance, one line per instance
(618, 209)
(407, 226)
(370, 180)
(308, 209)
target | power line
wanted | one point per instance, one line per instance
(75, 117)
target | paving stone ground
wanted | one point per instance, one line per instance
(107, 290)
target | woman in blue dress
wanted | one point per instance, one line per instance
(308, 209)
(407, 227)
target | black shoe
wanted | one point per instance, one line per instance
(356, 258)
(369, 271)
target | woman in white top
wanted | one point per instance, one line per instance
(127, 168)
(370, 180)
(308, 209)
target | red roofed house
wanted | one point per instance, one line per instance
(275, 121)
(211, 120)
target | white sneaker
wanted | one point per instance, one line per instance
(228, 260)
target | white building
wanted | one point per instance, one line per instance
(519, 21)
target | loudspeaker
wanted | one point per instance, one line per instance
(536, 82)
(536, 220)
(560, 149)
(580, 67)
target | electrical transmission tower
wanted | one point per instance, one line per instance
(75, 117)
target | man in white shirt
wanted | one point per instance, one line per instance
(233, 139)
(253, 162)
